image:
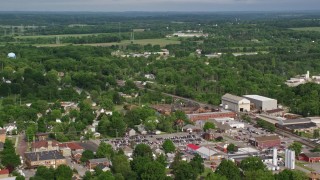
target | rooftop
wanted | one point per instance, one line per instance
(312, 155)
(233, 98)
(44, 155)
(72, 146)
(301, 126)
(206, 151)
(43, 143)
(267, 138)
(100, 160)
(193, 146)
(258, 97)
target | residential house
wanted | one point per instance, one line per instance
(141, 129)
(128, 151)
(45, 146)
(131, 132)
(209, 135)
(42, 136)
(3, 135)
(190, 128)
(92, 163)
(10, 127)
(67, 148)
(44, 158)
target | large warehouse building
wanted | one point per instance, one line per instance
(235, 103)
(262, 103)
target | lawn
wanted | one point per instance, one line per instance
(60, 35)
(161, 42)
(306, 29)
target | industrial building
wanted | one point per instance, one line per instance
(205, 152)
(262, 103)
(298, 125)
(235, 103)
(265, 142)
(310, 157)
(209, 115)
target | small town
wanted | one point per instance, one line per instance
(250, 126)
(159, 90)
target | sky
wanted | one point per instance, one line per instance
(158, 5)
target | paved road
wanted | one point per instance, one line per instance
(81, 169)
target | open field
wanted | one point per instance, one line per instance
(306, 29)
(60, 35)
(161, 42)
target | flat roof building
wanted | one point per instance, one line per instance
(265, 142)
(262, 103)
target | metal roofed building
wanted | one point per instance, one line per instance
(262, 103)
(235, 103)
(205, 152)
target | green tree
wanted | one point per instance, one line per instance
(258, 174)
(252, 164)
(197, 164)
(86, 155)
(9, 158)
(63, 172)
(162, 160)
(138, 163)
(215, 176)
(296, 147)
(142, 150)
(153, 171)
(184, 171)
(208, 125)
(45, 173)
(30, 133)
(106, 176)
(231, 148)
(168, 146)
(228, 169)
(42, 125)
(288, 174)
(121, 165)
(104, 150)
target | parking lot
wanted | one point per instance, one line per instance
(155, 141)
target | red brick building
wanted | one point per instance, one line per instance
(265, 142)
(310, 157)
(211, 115)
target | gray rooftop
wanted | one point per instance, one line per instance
(100, 160)
(232, 98)
(44, 155)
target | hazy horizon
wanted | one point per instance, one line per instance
(159, 5)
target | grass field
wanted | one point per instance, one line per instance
(306, 29)
(60, 35)
(161, 42)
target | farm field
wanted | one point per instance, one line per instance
(161, 42)
(307, 29)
